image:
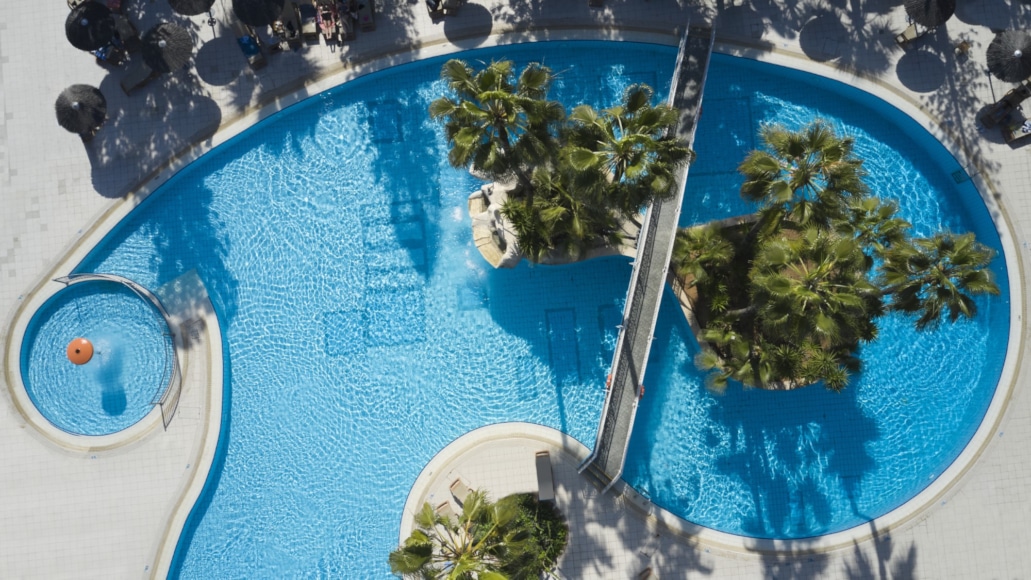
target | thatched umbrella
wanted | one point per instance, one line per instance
(167, 47)
(191, 7)
(89, 26)
(81, 109)
(1009, 55)
(930, 13)
(258, 13)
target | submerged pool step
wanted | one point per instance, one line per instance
(563, 345)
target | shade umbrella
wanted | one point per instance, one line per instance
(167, 47)
(81, 109)
(191, 7)
(258, 12)
(930, 13)
(90, 26)
(1009, 55)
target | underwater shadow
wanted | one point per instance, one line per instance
(781, 442)
(567, 317)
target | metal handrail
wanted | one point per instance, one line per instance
(172, 370)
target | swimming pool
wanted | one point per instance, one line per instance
(115, 389)
(334, 236)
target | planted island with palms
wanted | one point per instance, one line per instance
(514, 538)
(782, 298)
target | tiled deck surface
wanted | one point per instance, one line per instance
(66, 514)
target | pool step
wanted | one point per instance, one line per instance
(563, 345)
(599, 479)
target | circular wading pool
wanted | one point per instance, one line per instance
(114, 388)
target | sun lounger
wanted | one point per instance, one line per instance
(309, 20)
(911, 33)
(365, 15)
(250, 45)
(1000, 112)
(136, 75)
(460, 490)
(127, 33)
(444, 510)
(1017, 130)
(450, 7)
(288, 27)
(545, 477)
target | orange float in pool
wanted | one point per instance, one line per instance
(80, 351)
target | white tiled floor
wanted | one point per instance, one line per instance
(64, 514)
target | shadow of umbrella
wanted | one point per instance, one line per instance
(470, 27)
(81, 109)
(167, 47)
(930, 13)
(820, 37)
(921, 71)
(191, 7)
(258, 13)
(1009, 56)
(212, 65)
(89, 26)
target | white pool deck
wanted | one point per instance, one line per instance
(113, 509)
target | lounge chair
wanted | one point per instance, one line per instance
(911, 33)
(250, 45)
(127, 33)
(309, 20)
(450, 7)
(444, 510)
(460, 490)
(365, 15)
(545, 477)
(288, 27)
(136, 75)
(1000, 112)
(1016, 130)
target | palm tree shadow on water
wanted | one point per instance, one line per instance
(565, 315)
(781, 448)
(784, 444)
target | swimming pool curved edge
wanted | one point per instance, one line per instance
(47, 431)
(194, 486)
(944, 485)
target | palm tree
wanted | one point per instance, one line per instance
(478, 544)
(807, 176)
(496, 124)
(633, 143)
(698, 251)
(814, 288)
(873, 223)
(938, 274)
(566, 213)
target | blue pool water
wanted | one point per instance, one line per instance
(115, 388)
(363, 331)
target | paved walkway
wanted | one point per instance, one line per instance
(65, 514)
(651, 265)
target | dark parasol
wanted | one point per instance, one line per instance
(1009, 55)
(167, 47)
(258, 12)
(930, 13)
(89, 26)
(81, 109)
(191, 7)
